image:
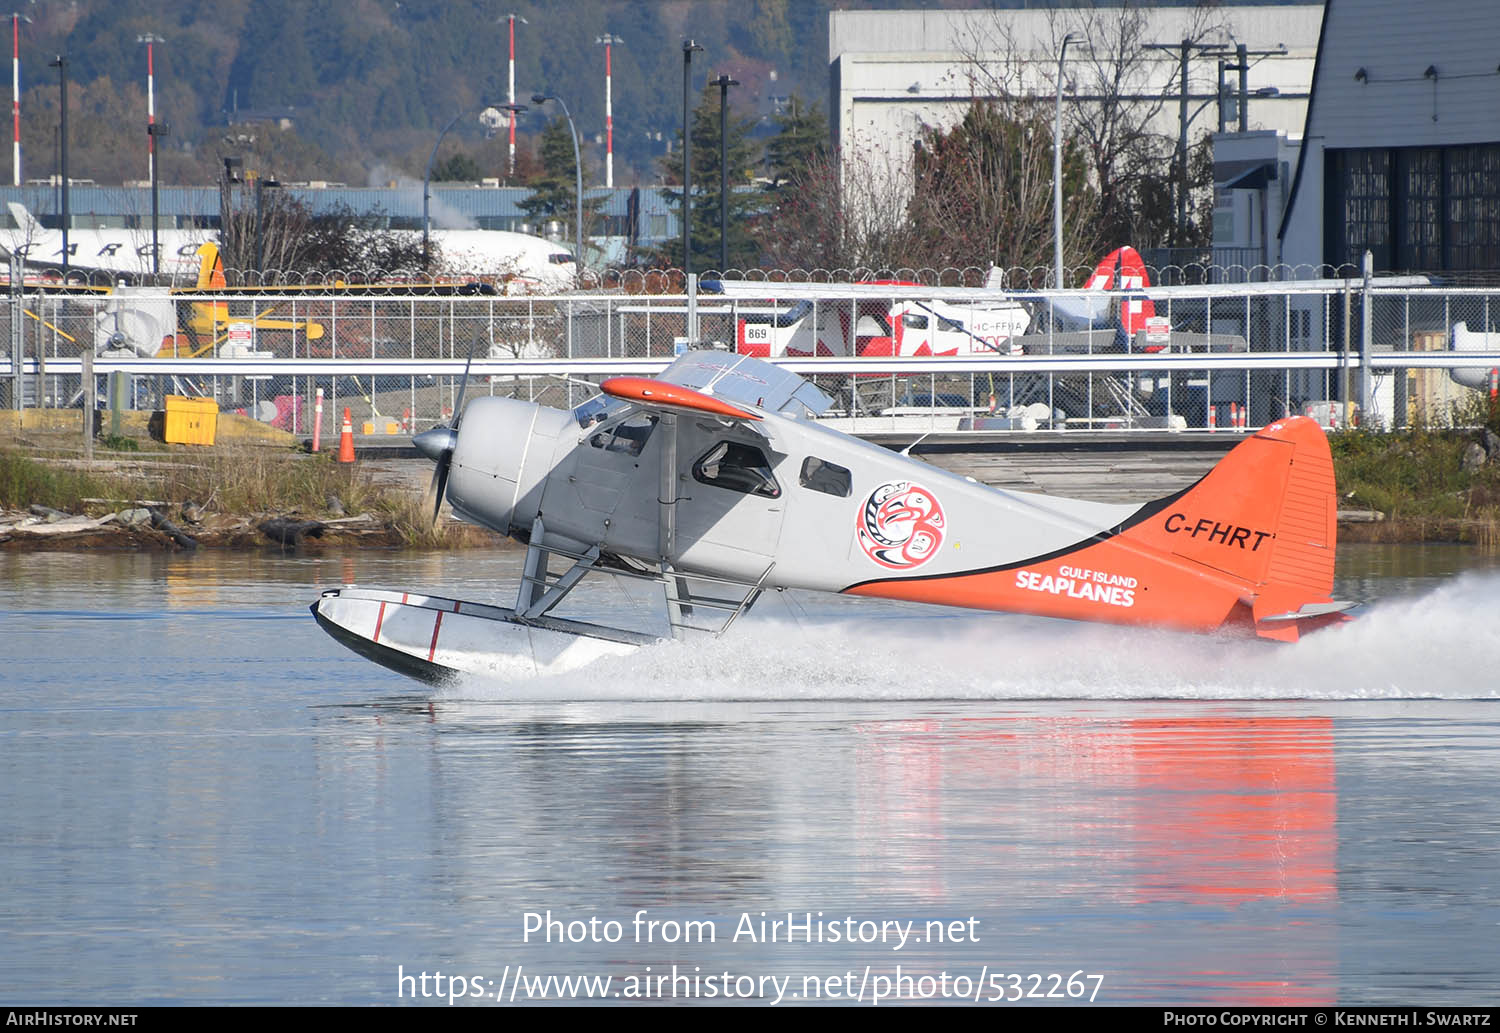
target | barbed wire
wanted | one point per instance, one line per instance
(668, 280)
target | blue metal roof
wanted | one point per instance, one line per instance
(403, 202)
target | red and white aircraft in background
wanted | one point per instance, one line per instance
(898, 319)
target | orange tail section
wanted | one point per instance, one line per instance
(1266, 517)
(210, 266)
(1249, 547)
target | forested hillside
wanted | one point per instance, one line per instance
(368, 84)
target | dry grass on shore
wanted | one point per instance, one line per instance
(1419, 479)
(246, 483)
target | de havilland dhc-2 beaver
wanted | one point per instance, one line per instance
(715, 481)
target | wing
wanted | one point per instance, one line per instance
(768, 291)
(659, 394)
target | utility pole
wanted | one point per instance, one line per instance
(1184, 50)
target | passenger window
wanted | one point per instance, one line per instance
(742, 468)
(821, 475)
(628, 436)
(914, 322)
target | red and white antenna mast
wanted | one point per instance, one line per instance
(150, 39)
(609, 40)
(511, 93)
(15, 96)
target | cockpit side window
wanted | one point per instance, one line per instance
(628, 436)
(737, 467)
(829, 478)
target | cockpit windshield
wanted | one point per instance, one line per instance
(598, 409)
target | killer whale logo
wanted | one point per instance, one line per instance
(901, 525)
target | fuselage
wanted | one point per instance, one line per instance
(786, 503)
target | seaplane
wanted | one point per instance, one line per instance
(714, 482)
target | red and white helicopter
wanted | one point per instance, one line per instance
(897, 319)
(714, 482)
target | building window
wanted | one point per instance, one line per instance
(1362, 180)
(1414, 208)
(1473, 208)
(1419, 236)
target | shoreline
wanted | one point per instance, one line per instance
(228, 535)
(1409, 487)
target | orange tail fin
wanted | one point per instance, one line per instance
(1266, 516)
(210, 266)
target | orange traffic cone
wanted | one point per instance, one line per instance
(346, 440)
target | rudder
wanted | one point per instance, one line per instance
(1267, 516)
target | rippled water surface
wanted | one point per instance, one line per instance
(208, 800)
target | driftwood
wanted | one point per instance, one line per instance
(287, 531)
(171, 530)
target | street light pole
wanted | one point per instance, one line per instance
(61, 64)
(542, 98)
(608, 41)
(688, 46)
(1057, 218)
(153, 130)
(723, 82)
(427, 182)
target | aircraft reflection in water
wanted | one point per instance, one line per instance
(1193, 858)
(715, 482)
(1216, 813)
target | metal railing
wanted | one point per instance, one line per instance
(1234, 356)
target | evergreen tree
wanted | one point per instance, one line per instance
(983, 190)
(801, 138)
(554, 191)
(744, 204)
(457, 168)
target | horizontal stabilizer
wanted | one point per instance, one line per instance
(1310, 610)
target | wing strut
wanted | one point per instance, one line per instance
(666, 490)
(539, 592)
(682, 600)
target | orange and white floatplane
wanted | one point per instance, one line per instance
(715, 482)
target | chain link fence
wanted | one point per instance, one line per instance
(1219, 357)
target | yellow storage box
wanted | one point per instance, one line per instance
(191, 421)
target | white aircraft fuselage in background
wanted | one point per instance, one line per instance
(539, 264)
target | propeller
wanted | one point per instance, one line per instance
(438, 443)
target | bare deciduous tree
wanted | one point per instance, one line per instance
(1124, 90)
(1116, 94)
